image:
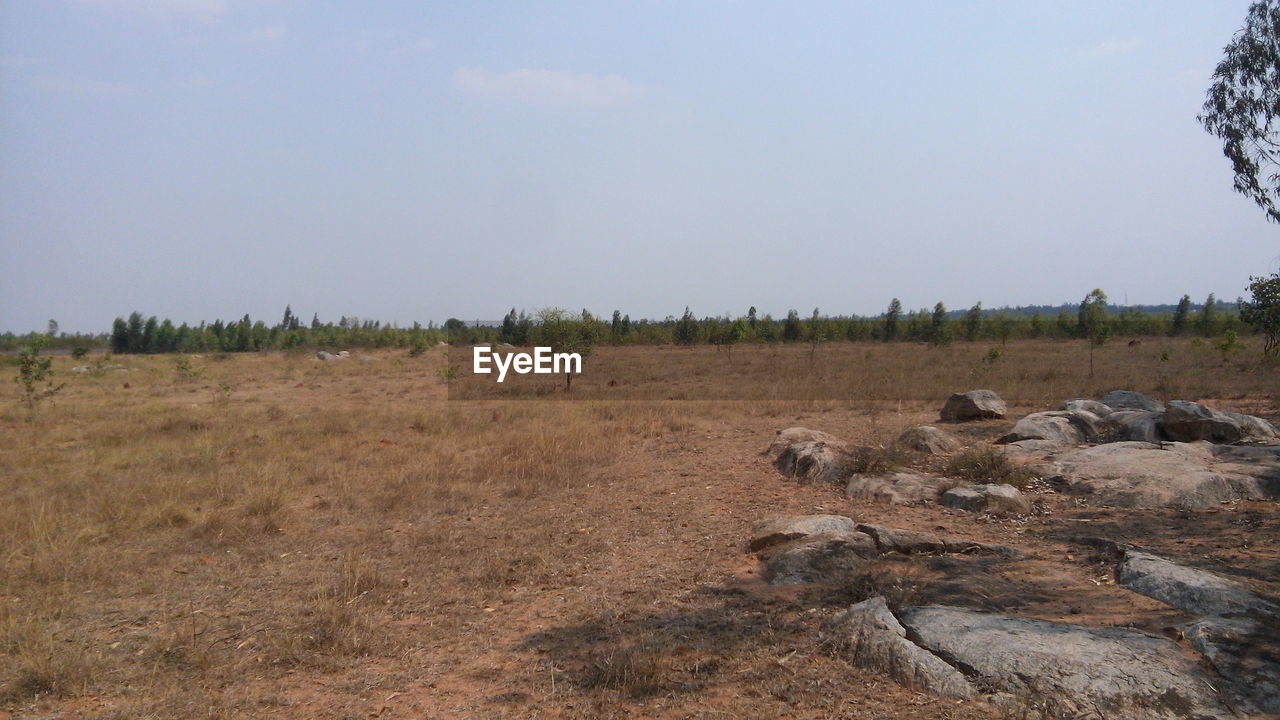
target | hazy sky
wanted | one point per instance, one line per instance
(407, 161)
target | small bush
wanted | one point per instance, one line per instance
(874, 460)
(989, 466)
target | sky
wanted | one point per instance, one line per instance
(402, 161)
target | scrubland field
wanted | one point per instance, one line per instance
(274, 536)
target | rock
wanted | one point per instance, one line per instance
(929, 439)
(1194, 591)
(817, 558)
(794, 435)
(1246, 652)
(814, 461)
(973, 405)
(1028, 449)
(1188, 421)
(994, 499)
(1130, 400)
(344, 354)
(1143, 475)
(1255, 429)
(776, 532)
(1139, 425)
(871, 637)
(1091, 406)
(81, 369)
(901, 488)
(1067, 427)
(914, 542)
(328, 356)
(1074, 670)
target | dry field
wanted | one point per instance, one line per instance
(285, 538)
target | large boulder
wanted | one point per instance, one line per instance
(1145, 475)
(973, 405)
(993, 499)
(929, 439)
(780, 530)
(1254, 428)
(871, 637)
(818, 558)
(901, 488)
(1130, 400)
(794, 435)
(1246, 653)
(1191, 590)
(1071, 670)
(1139, 425)
(813, 461)
(1189, 421)
(1067, 427)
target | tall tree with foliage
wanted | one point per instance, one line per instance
(939, 333)
(973, 322)
(1181, 315)
(892, 319)
(559, 330)
(1242, 106)
(1263, 311)
(1208, 316)
(1093, 322)
(686, 330)
(791, 329)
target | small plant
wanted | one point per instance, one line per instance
(876, 460)
(993, 355)
(186, 371)
(33, 376)
(989, 466)
(79, 352)
(1228, 343)
(222, 395)
(449, 373)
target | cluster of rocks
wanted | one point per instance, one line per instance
(1038, 667)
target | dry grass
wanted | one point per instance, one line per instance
(270, 535)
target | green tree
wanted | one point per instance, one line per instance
(1242, 106)
(563, 333)
(791, 329)
(892, 319)
(1263, 311)
(973, 322)
(1093, 322)
(1208, 316)
(33, 373)
(939, 333)
(685, 331)
(1180, 316)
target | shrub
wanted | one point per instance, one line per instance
(989, 466)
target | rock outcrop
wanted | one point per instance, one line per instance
(973, 405)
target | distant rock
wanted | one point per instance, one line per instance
(1069, 670)
(973, 405)
(328, 356)
(871, 637)
(1139, 425)
(993, 499)
(812, 460)
(901, 488)
(776, 532)
(827, 557)
(1130, 400)
(1092, 406)
(929, 439)
(793, 435)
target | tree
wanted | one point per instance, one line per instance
(1208, 316)
(939, 334)
(1180, 316)
(1242, 106)
(973, 322)
(1093, 322)
(563, 333)
(34, 371)
(686, 330)
(1263, 311)
(891, 318)
(791, 327)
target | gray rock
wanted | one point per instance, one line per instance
(1143, 475)
(1188, 421)
(328, 356)
(1191, 590)
(813, 461)
(914, 542)
(1246, 652)
(994, 499)
(794, 435)
(1074, 670)
(1130, 400)
(1092, 406)
(901, 488)
(818, 558)
(1138, 425)
(871, 637)
(1066, 427)
(1255, 429)
(973, 405)
(1028, 449)
(776, 532)
(929, 439)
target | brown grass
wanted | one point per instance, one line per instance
(276, 536)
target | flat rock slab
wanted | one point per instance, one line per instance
(1147, 475)
(901, 488)
(914, 542)
(1074, 670)
(1130, 400)
(871, 637)
(1246, 652)
(818, 558)
(1191, 590)
(781, 530)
